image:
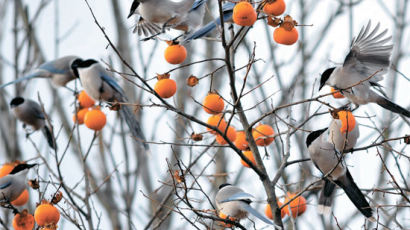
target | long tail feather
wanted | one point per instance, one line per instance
(387, 104)
(326, 198)
(49, 137)
(27, 77)
(354, 194)
(133, 124)
(252, 211)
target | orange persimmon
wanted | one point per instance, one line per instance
(217, 121)
(21, 199)
(85, 100)
(348, 121)
(244, 14)
(297, 206)
(240, 141)
(175, 54)
(6, 169)
(268, 211)
(95, 119)
(80, 115)
(275, 7)
(46, 214)
(336, 94)
(165, 88)
(230, 133)
(263, 135)
(223, 216)
(23, 221)
(213, 103)
(284, 36)
(249, 156)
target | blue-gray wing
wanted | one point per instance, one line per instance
(58, 66)
(110, 81)
(35, 109)
(238, 196)
(5, 182)
(197, 4)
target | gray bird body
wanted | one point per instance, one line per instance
(13, 184)
(29, 112)
(234, 202)
(363, 67)
(58, 71)
(101, 86)
(342, 141)
(329, 161)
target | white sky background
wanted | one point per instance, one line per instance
(86, 40)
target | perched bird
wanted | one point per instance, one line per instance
(12, 185)
(234, 202)
(100, 85)
(227, 10)
(329, 161)
(58, 71)
(156, 15)
(29, 112)
(368, 54)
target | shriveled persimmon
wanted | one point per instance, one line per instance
(274, 7)
(46, 214)
(22, 199)
(217, 121)
(213, 103)
(348, 121)
(165, 88)
(249, 156)
(80, 115)
(336, 94)
(240, 141)
(268, 210)
(175, 54)
(23, 221)
(230, 133)
(263, 135)
(244, 14)
(296, 206)
(85, 100)
(95, 119)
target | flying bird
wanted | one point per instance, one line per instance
(234, 202)
(29, 112)
(329, 161)
(364, 66)
(58, 71)
(13, 184)
(101, 86)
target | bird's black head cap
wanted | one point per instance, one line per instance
(80, 63)
(21, 167)
(313, 135)
(224, 185)
(16, 101)
(325, 76)
(134, 7)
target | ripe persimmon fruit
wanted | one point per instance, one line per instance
(268, 211)
(6, 169)
(263, 135)
(240, 141)
(218, 121)
(285, 37)
(46, 214)
(336, 94)
(244, 14)
(85, 100)
(348, 121)
(22, 199)
(297, 206)
(165, 88)
(230, 133)
(175, 54)
(213, 103)
(80, 115)
(274, 7)
(223, 216)
(249, 155)
(23, 221)
(95, 119)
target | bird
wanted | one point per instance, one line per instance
(234, 202)
(30, 113)
(227, 11)
(101, 86)
(364, 66)
(157, 15)
(329, 161)
(342, 141)
(13, 184)
(58, 71)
